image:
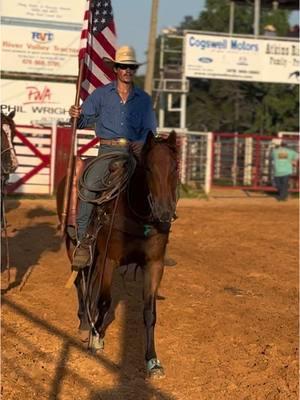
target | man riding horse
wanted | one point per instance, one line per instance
(123, 115)
(133, 182)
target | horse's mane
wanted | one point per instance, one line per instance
(9, 120)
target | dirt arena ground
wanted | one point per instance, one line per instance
(228, 328)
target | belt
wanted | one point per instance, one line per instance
(115, 142)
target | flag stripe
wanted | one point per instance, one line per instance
(96, 69)
(110, 35)
(99, 49)
(98, 58)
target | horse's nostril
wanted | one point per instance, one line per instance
(165, 216)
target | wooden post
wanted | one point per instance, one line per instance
(71, 157)
(151, 48)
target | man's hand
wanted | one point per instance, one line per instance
(74, 111)
(136, 148)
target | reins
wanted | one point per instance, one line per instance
(5, 171)
(4, 227)
(86, 284)
(112, 185)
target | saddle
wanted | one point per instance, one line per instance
(100, 218)
(80, 168)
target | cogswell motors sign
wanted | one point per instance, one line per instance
(241, 58)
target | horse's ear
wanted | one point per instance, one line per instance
(150, 139)
(12, 114)
(172, 139)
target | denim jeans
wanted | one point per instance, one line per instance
(93, 180)
(282, 185)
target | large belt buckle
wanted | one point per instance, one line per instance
(122, 141)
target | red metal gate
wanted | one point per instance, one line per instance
(244, 162)
(33, 147)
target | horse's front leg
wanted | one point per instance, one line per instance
(84, 325)
(101, 301)
(152, 276)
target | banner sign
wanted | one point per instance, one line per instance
(37, 103)
(54, 10)
(39, 50)
(241, 59)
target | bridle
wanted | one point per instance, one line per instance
(6, 129)
(151, 217)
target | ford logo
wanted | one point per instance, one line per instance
(205, 60)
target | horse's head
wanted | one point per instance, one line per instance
(160, 162)
(8, 156)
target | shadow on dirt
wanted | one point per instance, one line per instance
(40, 212)
(11, 204)
(129, 376)
(25, 250)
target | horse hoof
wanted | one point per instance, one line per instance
(96, 343)
(155, 369)
(160, 297)
(170, 262)
(83, 335)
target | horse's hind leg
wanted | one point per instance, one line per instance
(101, 302)
(152, 277)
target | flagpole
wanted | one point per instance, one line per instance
(70, 168)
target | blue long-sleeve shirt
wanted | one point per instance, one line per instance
(114, 119)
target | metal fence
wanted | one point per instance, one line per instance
(231, 160)
(206, 159)
(244, 162)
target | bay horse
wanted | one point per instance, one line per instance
(9, 164)
(134, 229)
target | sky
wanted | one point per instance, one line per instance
(132, 19)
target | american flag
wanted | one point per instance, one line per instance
(98, 40)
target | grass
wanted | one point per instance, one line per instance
(190, 192)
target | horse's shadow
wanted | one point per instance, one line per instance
(25, 249)
(11, 204)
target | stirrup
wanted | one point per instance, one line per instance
(80, 261)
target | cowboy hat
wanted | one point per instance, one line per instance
(270, 28)
(124, 55)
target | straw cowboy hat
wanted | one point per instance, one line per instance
(270, 28)
(124, 55)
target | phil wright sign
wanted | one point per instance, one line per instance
(35, 102)
(241, 58)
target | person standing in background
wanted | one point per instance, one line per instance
(283, 160)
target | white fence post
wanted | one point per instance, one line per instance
(208, 167)
(248, 161)
(183, 161)
(53, 155)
